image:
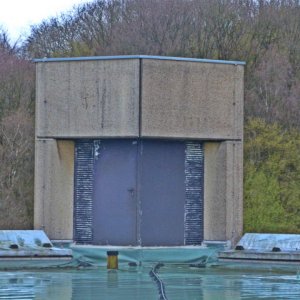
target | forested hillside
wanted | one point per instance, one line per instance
(17, 88)
(264, 33)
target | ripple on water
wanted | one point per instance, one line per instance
(180, 283)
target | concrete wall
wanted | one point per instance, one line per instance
(54, 182)
(88, 99)
(191, 100)
(223, 191)
(102, 98)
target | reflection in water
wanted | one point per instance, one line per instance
(180, 283)
(112, 279)
(211, 284)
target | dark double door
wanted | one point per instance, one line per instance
(141, 192)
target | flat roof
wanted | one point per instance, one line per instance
(84, 58)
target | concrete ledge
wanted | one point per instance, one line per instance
(264, 248)
(265, 242)
(256, 256)
(24, 249)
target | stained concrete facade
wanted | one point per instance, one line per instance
(223, 203)
(88, 99)
(140, 97)
(182, 99)
(54, 187)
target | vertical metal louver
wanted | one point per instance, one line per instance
(194, 164)
(84, 181)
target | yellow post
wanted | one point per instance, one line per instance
(112, 259)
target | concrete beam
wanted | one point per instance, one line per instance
(88, 99)
(191, 100)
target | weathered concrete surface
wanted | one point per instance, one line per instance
(100, 98)
(234, 191)
(223, 191)
(88, 99)
(214, 196)
(157, 99)
(191, 100)
(54, 185)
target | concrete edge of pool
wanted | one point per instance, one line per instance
(96, 256)
(32, 249)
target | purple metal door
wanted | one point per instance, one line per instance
(162, 192)
(114, 201)
(145, 192)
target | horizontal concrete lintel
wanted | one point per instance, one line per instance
(204, 139)
(193, 138)
(57, 137)
(201, 60)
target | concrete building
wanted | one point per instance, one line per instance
(139, 150)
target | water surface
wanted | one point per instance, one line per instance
(135, 283)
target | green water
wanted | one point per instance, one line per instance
(181, 282)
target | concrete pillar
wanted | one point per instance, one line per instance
(223, 191)
(54, 185)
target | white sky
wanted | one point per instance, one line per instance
(16, 16)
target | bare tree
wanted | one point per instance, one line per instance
(16, 139)
(16, 174)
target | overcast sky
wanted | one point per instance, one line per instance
(16, 16)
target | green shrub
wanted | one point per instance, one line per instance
(271, 178)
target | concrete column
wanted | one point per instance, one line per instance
(223, 191)
(214, 195)
(234, 191)
(54, 185)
